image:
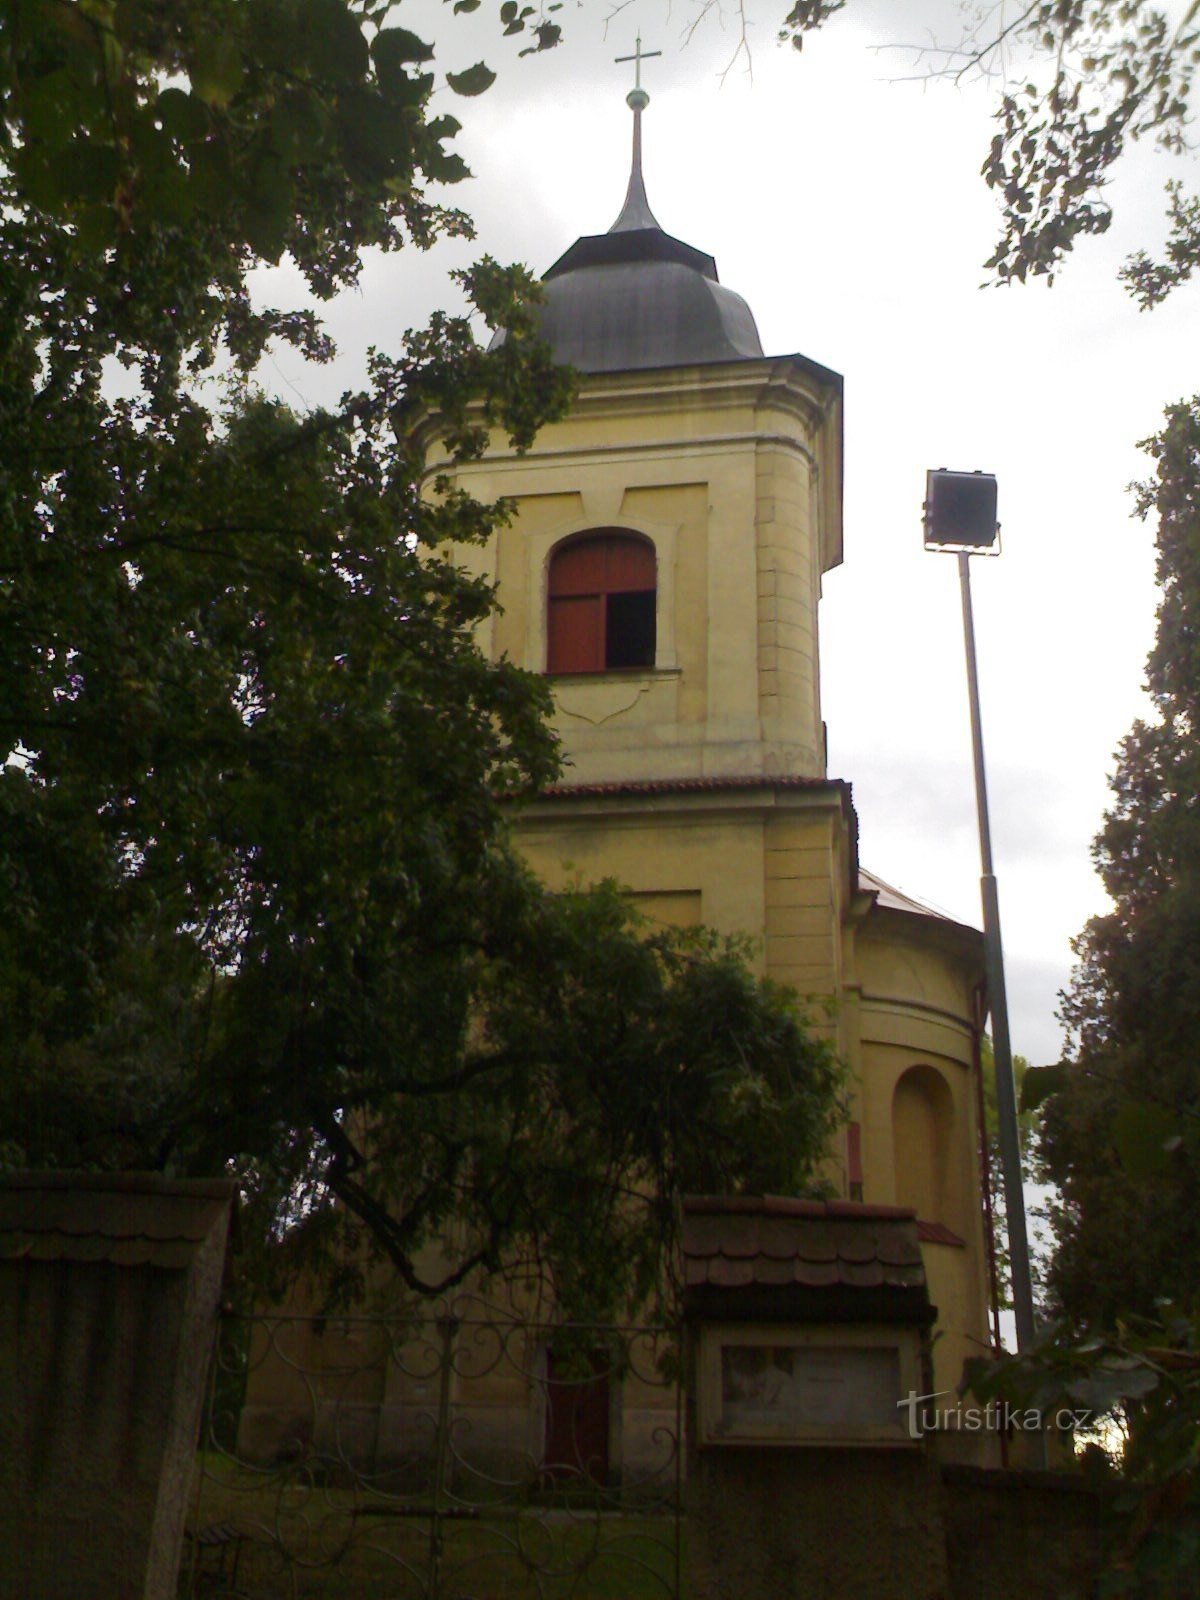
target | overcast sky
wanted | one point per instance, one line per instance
(840, 194)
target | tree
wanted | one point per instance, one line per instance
(261, 913)
(1121, 1137)
(1081, 80)
(1146, 1372)
(1120, 73)
(1120, 1133)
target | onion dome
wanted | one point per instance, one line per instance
(637, 297)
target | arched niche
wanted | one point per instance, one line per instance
(923, 1142)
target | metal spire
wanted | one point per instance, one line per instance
(636, 212)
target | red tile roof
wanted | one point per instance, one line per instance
(939, 1233)
(138, 1219)
(569, 791)
(739, 1241)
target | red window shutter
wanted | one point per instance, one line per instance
(579, 568)
(630, 565)
(576, 634)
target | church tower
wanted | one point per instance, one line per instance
(664, 569)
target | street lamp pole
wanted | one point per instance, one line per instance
(993, 958)
(960, 515)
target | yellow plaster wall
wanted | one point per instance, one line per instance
(732, 472)
(670, 908)
(759, 862)
(682, 864)
(801, 896)
(788, 589)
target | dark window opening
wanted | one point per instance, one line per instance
(601, 604)
(629, 630)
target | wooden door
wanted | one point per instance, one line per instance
(577, 1423)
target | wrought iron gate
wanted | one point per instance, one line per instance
(459, 1452)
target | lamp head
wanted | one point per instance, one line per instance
(960, 511)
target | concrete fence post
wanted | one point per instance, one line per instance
(109, 1290)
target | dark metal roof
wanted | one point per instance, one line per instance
(631, 246)
(637, 297)
(137, 1219)
(889, 898)
(645, 312)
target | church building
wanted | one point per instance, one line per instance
(664, 570)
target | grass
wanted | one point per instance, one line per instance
(263, 1537)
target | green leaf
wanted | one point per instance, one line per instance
(375, 136)
(181, 115)
(392, 50)
(269, 213)
(547, 35)
(475, 80)
(48, 104)
(164, 187)
(334, 41)
(216, 70)
(407, 91)
(445, 166)
(210, 177)
(92, 172)
(1141, 1133)
(1039, 1083)
(299, 126)
(40, 179)
(96, 227)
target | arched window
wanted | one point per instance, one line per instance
(601, 604)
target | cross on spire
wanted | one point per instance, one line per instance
(639, 55)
